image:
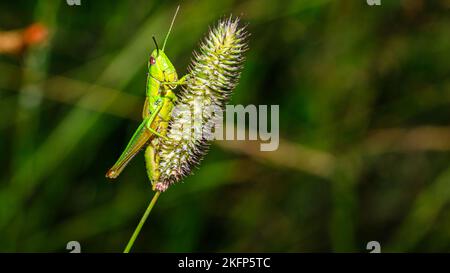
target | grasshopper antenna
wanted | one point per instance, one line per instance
(170, 28)
(156, 44)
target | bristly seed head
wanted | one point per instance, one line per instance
(213, 74)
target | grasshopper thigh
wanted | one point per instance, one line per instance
(152, 161)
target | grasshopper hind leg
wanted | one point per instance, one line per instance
(152, 159)
(151, 162)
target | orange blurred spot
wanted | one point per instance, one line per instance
(35, 34)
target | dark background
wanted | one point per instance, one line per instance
(364, 95)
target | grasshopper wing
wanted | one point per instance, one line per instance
(137, 142)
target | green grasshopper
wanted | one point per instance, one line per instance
(162, 79)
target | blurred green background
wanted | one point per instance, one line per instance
(364, 95)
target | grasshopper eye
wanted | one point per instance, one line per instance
(152, 60)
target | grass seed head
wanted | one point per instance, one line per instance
(213, 74)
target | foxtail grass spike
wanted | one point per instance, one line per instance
(213, 74)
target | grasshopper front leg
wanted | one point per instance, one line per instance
(182, 81)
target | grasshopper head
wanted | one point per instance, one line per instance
(161, 68)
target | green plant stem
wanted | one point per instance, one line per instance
(141, 223)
